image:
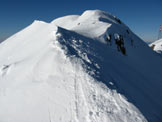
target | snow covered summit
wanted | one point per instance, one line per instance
(74, 70)
(91, 23)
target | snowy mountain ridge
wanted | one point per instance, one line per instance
(67, 71)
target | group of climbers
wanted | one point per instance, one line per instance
(119, 41)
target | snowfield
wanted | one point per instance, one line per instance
(66, 71)
(157, 46)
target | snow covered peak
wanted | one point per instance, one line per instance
(92, 23)
(95, 14)
(71, 70)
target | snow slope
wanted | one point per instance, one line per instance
(65, 71)
(157, 46)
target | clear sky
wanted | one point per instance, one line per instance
(142, 16)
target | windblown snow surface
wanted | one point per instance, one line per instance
(64, 71)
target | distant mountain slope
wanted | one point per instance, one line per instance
(157, 46)
(70, 70)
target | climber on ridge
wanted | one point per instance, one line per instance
(108, 39)
(127, 31)
(122, 48)
(117, 41)
(118, 20)
(121, 40)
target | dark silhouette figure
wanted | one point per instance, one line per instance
(118, 20)
(108, 39)
(123, 50)
(127, 31)
(121, 40)
(117, 41)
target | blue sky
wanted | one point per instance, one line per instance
(142, 16)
